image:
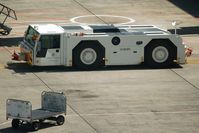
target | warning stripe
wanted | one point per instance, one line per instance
(193, 61)
(2, 66)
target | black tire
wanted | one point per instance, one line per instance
(35, 126)
(5, 32)
(15, 123)
(60, 120)
(166, 55)
(79, 61)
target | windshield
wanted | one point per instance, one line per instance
(31, 35)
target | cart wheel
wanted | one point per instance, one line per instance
(60, 120)
(35, 126)
(15, 123)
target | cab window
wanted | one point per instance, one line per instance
(47, 42)
(50, 41)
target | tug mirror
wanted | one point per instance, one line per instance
(175, 23)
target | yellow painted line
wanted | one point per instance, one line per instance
(193, 61)
(2, 66)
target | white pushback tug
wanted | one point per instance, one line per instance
(92, 46)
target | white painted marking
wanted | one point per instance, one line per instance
(129, 20)
(138, 113)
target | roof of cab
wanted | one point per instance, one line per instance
(47, 28)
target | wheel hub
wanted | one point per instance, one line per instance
(88, 56)
(160, 54)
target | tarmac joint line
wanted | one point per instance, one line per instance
(194, 86)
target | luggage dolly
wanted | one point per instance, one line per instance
(53, 106)
(8, 13)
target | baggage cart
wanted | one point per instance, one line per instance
(8, 13)
(53, 107)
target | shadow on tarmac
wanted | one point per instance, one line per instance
(26, 128)
(186, 30)
(189, 6)
(25, 68)
(12, 41)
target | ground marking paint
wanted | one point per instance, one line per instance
(138, 113)
(2, 66)
(129, 20)
(192, 61)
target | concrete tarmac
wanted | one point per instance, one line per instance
(122, 99)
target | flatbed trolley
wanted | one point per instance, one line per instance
(8, 13)
(53, 106)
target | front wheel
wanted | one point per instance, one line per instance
(159, 55)
(60, 120)
(88, 57)
(35, 126)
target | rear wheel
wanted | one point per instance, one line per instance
(159, 55)
(5, 32)
(15, 123)
(35, 126)
(88, 56)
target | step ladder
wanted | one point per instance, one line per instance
(8, 13)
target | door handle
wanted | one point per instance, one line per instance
(57, 50)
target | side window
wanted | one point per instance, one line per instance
(56, 41)
(50, 41)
